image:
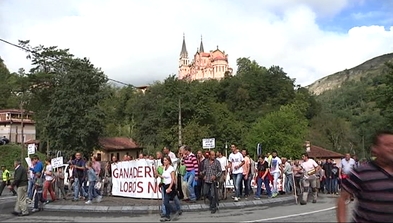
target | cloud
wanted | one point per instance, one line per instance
(139, 42)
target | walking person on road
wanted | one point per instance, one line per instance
(263, 177)
(192, 168)
(211, 175)
(20, 182)
(371, 184)
(169, 187)
(309, 181)
(236, 163)
(48, 183)
(6, 180)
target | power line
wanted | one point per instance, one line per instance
(34, 52)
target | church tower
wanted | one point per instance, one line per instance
(183, 60)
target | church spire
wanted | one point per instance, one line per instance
(201, 50)
(184, 52)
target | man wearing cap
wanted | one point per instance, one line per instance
(6, 180)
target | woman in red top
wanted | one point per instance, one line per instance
(263, 176)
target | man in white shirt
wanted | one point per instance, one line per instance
(168, 152)
(236, 163)
(275, 171)
(347, 165)
(309, 169)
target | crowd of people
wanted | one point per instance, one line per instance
(195, 177)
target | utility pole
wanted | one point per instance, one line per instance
(180, 136)
(21, 126)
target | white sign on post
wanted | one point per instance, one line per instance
(31, 149)
(209, 143)
(57, 162)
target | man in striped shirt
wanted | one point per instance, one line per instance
(191, 176)
(371, 184)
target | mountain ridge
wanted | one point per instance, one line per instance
(370, 68)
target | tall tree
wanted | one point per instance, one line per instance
(69, 90)
(283, 130)
(385, 95)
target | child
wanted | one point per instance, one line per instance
(92, 179)
(60, 182)
(38, 186)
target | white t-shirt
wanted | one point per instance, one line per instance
(236, 160)
(275, 165)
(347, 166)
(223, 161)
(310, 164)
(49, 169)
(172, 156)
(166, 175)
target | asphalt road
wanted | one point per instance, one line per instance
(322, 211)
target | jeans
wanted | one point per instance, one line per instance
(175, 200)
(266, 182)
(210, 191)
(328, 185)
(334, 185)
(92, 191)
(276, 175)
(78, 189)
(38, 198)
(30, 190)
(247, 185)
(168, 207)
(237, 183)
(288, 183)
(190, 183)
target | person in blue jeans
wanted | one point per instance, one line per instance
(262, 177)
(158, 173)
(236, 162)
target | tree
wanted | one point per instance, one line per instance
(384, 95)
(68, 91)
(283, 130)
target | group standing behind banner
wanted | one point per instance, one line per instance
(136, 179)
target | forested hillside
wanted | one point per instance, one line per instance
(74, 104)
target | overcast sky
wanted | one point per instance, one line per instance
(138, 42)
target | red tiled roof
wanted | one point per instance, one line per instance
(118, 143)
(32, 141)
(15, 121)
(320, 153)
(14, 111)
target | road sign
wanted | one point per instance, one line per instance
(209, 143)
(31, 149)
(57, 162)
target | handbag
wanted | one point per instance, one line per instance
(97, 185)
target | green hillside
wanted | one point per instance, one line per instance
(363, 72)
(351, 110)
(11, 152)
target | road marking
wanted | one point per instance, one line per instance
(291, 215)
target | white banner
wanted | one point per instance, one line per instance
(209, 143)
(136, 179)
(57, 162)
(31, 149)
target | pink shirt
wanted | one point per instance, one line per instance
(97, 167)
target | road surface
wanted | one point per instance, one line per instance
(322, 211)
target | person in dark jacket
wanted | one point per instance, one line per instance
(20, 182)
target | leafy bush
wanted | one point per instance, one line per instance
(10, 152)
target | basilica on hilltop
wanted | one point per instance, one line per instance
(204, 65)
